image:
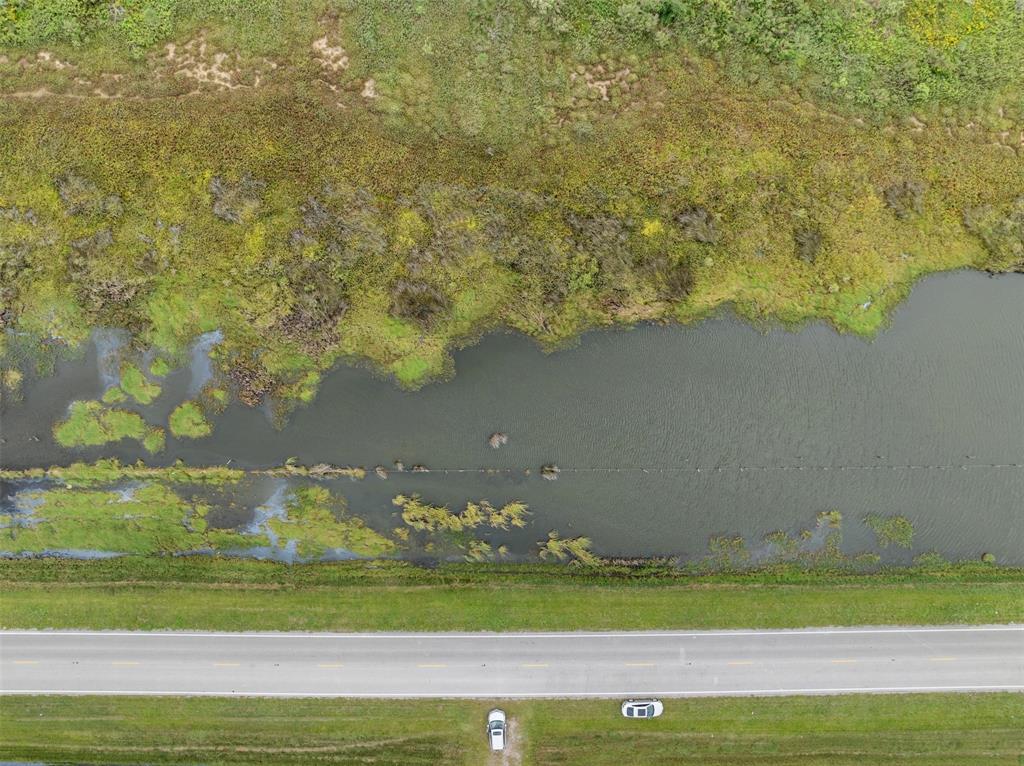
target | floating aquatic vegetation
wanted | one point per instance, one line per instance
(159, 367)
(90, 424)
(152, 520)
(891, 530)
(318, 522)
(438, 518)
(187, 421)
(135, 385)
(575, 549)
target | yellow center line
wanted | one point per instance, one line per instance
(26, 662)
(431, 665)
(124, 662)
(843, 662)
(330, 665)
(740, 662)
(639, 664)
(535, 665)
(942, 659)
(226, 664)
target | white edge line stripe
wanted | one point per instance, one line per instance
(516, 636)
(540, 695)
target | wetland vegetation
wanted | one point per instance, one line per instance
(152, 518)
(111, 508)
(321, 180)
(891, 530)
(268, 189)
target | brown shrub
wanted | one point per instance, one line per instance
(418, 302)
(905, 198)
(698, 224)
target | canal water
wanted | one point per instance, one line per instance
(665, 436)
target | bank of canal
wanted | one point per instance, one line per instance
(665, 436)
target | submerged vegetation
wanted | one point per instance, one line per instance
(319, 522)
(152, 518)
(307, 519)
(321, 180)
(148, 519)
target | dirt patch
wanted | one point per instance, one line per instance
(198, 61)
(43, 61)
(330, 57)
(602, 81)
(607, 88)
(512, 755)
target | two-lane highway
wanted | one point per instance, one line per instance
(692, 663)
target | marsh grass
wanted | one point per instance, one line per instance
(112, 470)
(90, 424)
(94, 510)
(753, 159)
(187, 421)
(159, 367)
(891, 530)
(149, 519)
(572, 549)
(318, 521)
(134, 384)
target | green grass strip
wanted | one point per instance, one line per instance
(212, 594)
(913, 729)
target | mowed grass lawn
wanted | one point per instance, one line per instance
(501, 607)
(914, 729)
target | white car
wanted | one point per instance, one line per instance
(497, 729)
(642, 708)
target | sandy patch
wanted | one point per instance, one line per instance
(196, 60)
(43, 61)
(600, 79)
(513, 752)
(369, 89)
(330, 57)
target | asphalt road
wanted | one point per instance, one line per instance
(667, 664)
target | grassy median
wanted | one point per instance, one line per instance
(913, 729)
(217, 594)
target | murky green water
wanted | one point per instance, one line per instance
(665, 436)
